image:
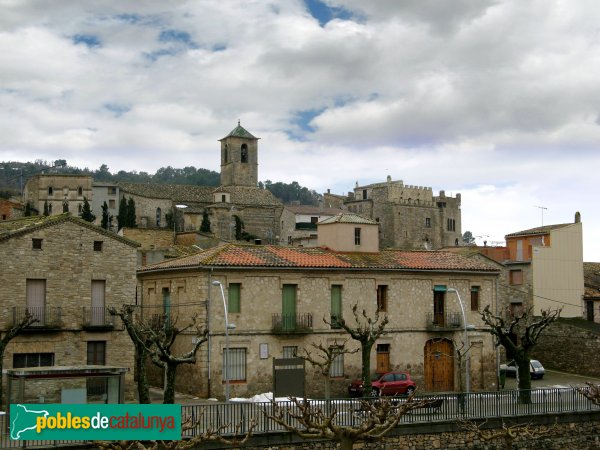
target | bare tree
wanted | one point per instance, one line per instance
(527, 329)
(374, 419)
(591, 392)
(508, 433)
(322, 357)
(154, 339)
(212, 434)
(12, 332)
(366, 331)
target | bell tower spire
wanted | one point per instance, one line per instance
(239, 158)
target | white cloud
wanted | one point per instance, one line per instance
(498, 100)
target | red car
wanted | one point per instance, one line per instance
(391, 383)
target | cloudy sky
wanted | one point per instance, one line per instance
(498, 100)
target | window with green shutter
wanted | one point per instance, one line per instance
(234, 304)
(336, 305)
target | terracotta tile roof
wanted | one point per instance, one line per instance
(314, 210)
(539, 230)
(256, 256)
(18, 227)
(346, 217)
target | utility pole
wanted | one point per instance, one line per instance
(542, 208)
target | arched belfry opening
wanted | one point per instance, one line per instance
(239, 168)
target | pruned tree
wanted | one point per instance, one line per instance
(155, 339)
(238, 439)
(366, 331)
(9, 335)
(322, 357)
(373, 419)
(508, 434)
(527, 330)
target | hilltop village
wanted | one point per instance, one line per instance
(284, 273)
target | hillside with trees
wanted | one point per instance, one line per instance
(14, 175)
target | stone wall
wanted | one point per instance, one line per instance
(570, 348)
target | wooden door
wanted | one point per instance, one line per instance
(438, 308)
(439, 365)
(36, 300)
(383, 358)
(98, 289)
(288, 307)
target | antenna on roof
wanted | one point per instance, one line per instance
(542, 208)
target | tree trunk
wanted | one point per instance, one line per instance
(366, 369)
(142, 378)
(522, 362)
(169, 394)
(346, 443)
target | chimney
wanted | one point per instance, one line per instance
(577, 217)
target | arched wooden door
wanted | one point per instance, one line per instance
(439, 365)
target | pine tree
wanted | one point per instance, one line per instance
(205, 225)
(46, 208)
(122, 217)
(131, 213)
(105, 217)
(86, 212)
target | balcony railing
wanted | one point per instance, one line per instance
(97, 317)
(47, 316)
(292, 323)
(451, 320)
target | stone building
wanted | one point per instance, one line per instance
(60, 192)
(10, 209)
(277, 298)
(410, 217)
(299, 223)
(591, 276)
(66, 272)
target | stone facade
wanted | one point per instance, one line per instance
(410, 217)
(410, 303)
(10, 209)
(58, 190)
(72, 256)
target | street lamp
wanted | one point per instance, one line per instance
(175, 208)
(228, 326)
(467, 327)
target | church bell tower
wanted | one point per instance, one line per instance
(239, 158)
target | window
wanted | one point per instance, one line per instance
(234, 303)
(290, 351)
(21, 360)
(98, 296)
(357, 236)
(235, 364)
(96, 353)
(50, 190)
(519, 250)
(223, 198)
(225, 153)
(288, 307)
(382, 298)
(244, 153)
(166, 295)
(314, 220)
(36, 244)
(80, 191)
(427, 222)
(451, 224)
(439, 294)
(516, 277)
(112, 204)
(36, 299)
(364, 192)
(97, 246)
(112, 190)
(336, 305)
(474, 298)
(158, 216)
(337, 365)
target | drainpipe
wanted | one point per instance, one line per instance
(209, 284)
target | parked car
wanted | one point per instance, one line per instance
(535, 369)
(390, 383)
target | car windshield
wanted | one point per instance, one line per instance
(536, 364)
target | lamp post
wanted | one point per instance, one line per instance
(175, 208)
(467, 369)
(228, 326)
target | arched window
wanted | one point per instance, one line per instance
(244, 153)
(158, 214)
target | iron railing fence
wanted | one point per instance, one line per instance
(444, 320)
(47, 316)
(97, 317)
(235, 417)
(292, 323)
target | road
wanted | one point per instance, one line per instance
(553, 378)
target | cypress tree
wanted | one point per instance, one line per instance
(205, 225)
(105, 216)
(86, 212)
(131, 213)
(122, 217)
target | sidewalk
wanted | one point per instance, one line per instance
(156, 396)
